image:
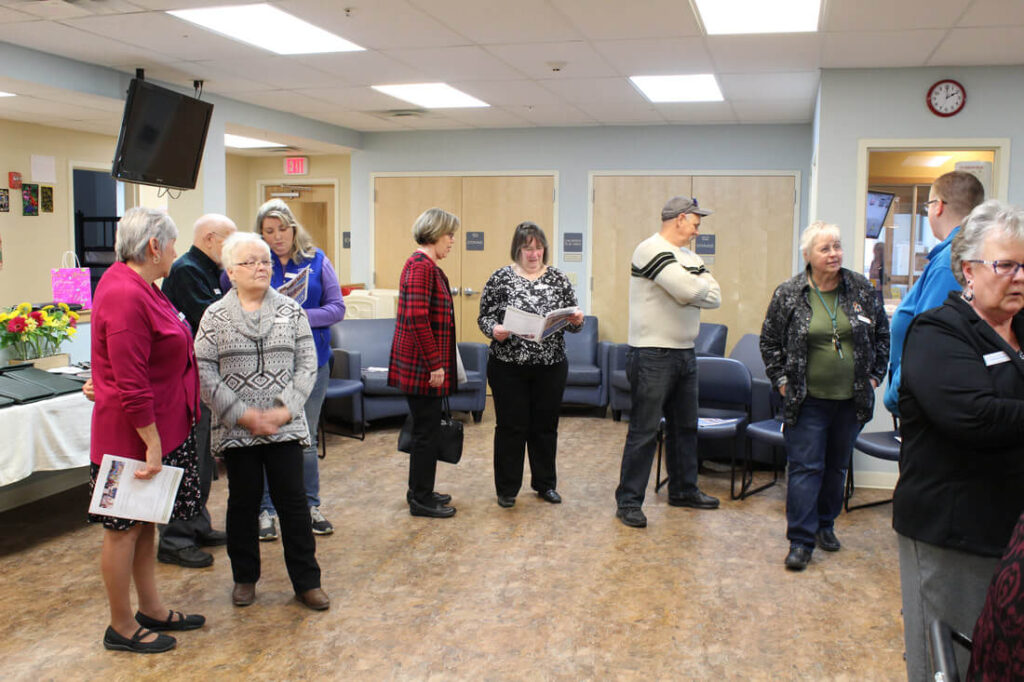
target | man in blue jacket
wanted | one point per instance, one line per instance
(951, 198)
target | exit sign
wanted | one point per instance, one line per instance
(296, 165)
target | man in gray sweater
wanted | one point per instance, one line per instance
(668, 287)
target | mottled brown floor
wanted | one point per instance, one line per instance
(537, 592)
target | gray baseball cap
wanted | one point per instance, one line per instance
(677, 205)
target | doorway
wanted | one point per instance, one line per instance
(314, 207)
(98, 205)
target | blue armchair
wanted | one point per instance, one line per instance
(362, 349)
(587, 383)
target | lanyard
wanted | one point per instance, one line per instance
(833, 316)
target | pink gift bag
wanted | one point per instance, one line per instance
(71, 284)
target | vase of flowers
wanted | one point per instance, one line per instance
(37, 334)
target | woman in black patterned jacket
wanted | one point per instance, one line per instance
(527, 377)
(825, 345)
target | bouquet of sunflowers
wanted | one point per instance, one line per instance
(36, 333)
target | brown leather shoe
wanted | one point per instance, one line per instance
(243, 594)
(315, 599)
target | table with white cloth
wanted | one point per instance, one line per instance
(49, 435)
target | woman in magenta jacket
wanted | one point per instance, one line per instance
(146, 389)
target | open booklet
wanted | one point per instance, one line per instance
(534, 327)
(297, 288)
(118, 493)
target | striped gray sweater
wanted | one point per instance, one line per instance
(261, 359)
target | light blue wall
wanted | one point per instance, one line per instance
(573, 153)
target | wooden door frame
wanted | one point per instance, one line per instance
(261, 186)
(588, 237)
(553, 239)
(1000, 146)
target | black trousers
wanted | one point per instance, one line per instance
(527, 399)
(426, 433)
(180, 534)
(283, 464)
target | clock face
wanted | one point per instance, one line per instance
(946, 98)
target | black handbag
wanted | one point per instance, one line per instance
(449, 441)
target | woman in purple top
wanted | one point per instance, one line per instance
(293, 253)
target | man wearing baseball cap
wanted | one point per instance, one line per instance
(668, 287)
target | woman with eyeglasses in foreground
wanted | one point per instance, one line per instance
(257, 366)
(961, 485)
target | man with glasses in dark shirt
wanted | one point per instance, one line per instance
(192, 285)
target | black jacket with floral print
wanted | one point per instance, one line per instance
(784, 340)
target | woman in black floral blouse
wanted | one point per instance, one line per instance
(527, 378)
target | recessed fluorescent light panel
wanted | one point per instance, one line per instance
(700, 87)
(431, 95)
(7, 94)
(729, 17)
(929, 161)
(268, 28)
(240, 142)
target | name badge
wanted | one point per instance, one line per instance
(996, 358)
(863, 319)
(181, 317)
(217, 291)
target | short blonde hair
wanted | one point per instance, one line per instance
(303, 248)
(232, 246)
(818, 228)
(433, 224)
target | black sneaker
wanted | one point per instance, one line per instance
(695, 499)
(798, 558)
(632, 516)
(827, 540)
(321, 526)
(189, 557)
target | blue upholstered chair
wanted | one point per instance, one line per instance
(587, 383)
(881, 445)
(710, 340)
(618, 383)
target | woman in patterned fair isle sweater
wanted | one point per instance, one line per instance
(527, 377)
(257, 366)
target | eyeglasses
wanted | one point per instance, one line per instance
(253, 264)
(926, 204)
(1003, 268)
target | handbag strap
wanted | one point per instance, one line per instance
(446, 411)
(74, 263)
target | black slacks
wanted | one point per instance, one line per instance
(527, 399)
(426, 434)
(283, 465)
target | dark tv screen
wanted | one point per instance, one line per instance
(877, 210)
(163, 134)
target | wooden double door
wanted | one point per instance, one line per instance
(752, 226)
(313, 206)
(489, 208)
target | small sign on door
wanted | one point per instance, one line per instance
(474, 241)
(705, 244)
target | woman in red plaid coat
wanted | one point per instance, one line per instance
(423, 354)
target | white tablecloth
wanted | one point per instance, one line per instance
(44, 436)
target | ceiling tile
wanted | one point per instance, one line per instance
(882, 49)
(980, 46)
(10, 16)
(164, 5)
(434, 123)
(657, 57)
(356, 99)
(994, 13)
(871, 15)
(610, 19)
(168, 35)
(774, 110)
(358, 121)
(698, 112)
(490, 117)
(801, 85)
(555, 115)
(746, 53)
(285, 100)
(494, 21)
(280, 71)
(380, 24)
(455, 63)
(615, 113)
(65, 41)
(215, 79)
(511, 93)
(363, 68)
(594, 90)
(575, 60)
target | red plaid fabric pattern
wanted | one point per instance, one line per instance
(424, 329)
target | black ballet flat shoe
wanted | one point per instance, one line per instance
(116, 642)
(190, 622)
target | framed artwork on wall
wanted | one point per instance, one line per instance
(29, 199)
(5, 201)
(45, 199)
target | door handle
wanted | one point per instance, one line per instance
(455, 291)
(466, 291)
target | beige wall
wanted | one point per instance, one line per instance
(34, 244)
(245, 173)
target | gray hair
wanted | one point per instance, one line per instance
(233, 244)
(817, 229)
(433, 224)
(987, 218)
(137, 226)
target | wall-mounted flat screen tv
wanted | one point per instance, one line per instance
(877, 210)
(163, 134)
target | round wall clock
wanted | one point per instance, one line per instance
(946, 98)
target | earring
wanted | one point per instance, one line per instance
(156, 260)
(969, 294)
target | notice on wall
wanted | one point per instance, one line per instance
(44, 169)
(474, 241)
(705, 245)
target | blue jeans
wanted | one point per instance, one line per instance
(310, 461)
(662, 382)
(818, 449)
